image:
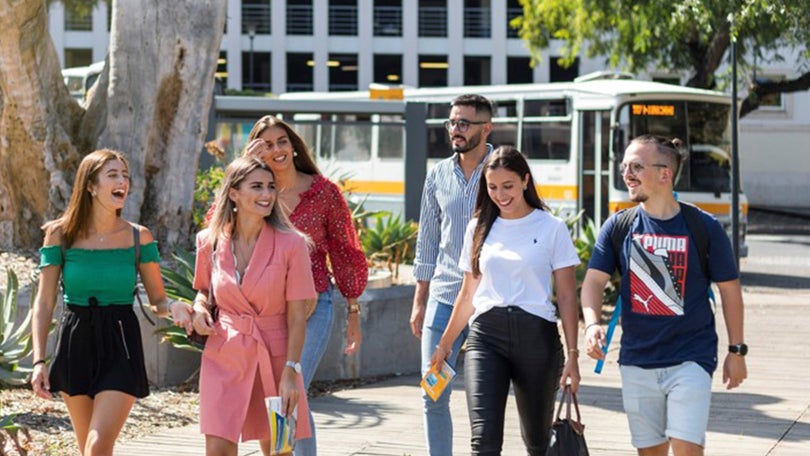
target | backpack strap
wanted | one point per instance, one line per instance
(699, 233)
(620, 231)
(136, 237)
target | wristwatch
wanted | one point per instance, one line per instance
(353, 308)
(738, 349)
(295, 366)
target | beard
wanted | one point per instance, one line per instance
(469, 145)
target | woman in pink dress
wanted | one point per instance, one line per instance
(257, 267)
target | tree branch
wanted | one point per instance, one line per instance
(712, 57)
(760, 90)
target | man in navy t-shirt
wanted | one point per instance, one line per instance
(669, 344)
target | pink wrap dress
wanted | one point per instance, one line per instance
(243, 362)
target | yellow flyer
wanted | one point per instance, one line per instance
(435, 381)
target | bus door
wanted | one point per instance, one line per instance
(594, 141)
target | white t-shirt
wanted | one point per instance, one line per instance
(517, 261)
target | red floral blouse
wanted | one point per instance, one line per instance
(324, 216)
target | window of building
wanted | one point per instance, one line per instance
(388, 68)
(433, 70)
(477, 70)
(255, 17)
(772, 101)
(299, 17)
(342, 72)
(343, 17)
(256, 71)
(78, 57)
(519, 70)
(477, 23)
(558, 73)
(387, 18)
(78, 22)
(221, 75)
(513, 10)
(433, 18)
(299, 72)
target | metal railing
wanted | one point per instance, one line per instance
(477, 23)
(512, 13)
(299, 19)
(300, 87)
(256, 17)
(342, 20)
(387, 21)
(432, 21)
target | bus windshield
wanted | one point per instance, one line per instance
(704, 128)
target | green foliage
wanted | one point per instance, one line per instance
(208, 181)
(688, 34)
(15, 339)
(179, 285)
(390, 242)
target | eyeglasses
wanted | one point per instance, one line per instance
(462, 124)
(634, 168)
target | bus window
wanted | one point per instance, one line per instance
(391, 137)
(545, 108)
(348, 137)
(547, 140)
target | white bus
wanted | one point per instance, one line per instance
(79, 79)
(573, 134)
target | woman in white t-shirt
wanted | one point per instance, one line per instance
(512, 250)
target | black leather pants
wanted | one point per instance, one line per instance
(511, 345)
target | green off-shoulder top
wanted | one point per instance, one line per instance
(106, 274)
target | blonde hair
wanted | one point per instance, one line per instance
(73, 223)
(223, 218)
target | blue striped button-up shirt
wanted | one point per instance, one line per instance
(448, 201)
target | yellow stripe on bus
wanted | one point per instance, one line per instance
(547, 192)
(375, 187)
(713, 208)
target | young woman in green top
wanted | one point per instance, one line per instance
(98, 367)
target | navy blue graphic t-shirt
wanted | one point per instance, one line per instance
(666, 315)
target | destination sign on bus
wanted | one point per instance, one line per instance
(654, 110)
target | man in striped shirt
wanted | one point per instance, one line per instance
(448, 200)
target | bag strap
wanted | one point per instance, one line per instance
(567, 397)
(211, 300)
(620, 231)
(136, 237)
(698, 231)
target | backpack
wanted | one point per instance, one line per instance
(694, 223)
(136, 235)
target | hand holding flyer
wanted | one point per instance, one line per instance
(435, 381)
(282, 429)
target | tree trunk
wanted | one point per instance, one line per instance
(151, 102)
(163, 56)
(37, 117)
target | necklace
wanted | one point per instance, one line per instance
(102, 236)
(245, 253)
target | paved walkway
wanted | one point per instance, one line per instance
(768, 416)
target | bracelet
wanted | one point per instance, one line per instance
(353, 308)
(573, 350)
(41, 361)
(589, 326)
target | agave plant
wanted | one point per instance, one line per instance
(15, 339)
(179, 285)
(390, 242)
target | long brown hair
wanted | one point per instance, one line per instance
(509, 158)
(223, 219)
(303, 160)
(74, 221)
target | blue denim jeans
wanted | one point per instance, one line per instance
(438, 422)
(319, 329)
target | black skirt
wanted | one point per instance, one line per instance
(99, 349)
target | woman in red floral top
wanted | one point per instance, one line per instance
(315, 206)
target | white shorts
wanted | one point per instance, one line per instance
(667, 403)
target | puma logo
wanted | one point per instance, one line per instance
(644, 302)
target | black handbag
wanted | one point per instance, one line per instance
(196, 339)
(567, 435)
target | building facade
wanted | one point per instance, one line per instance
(283, 46)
